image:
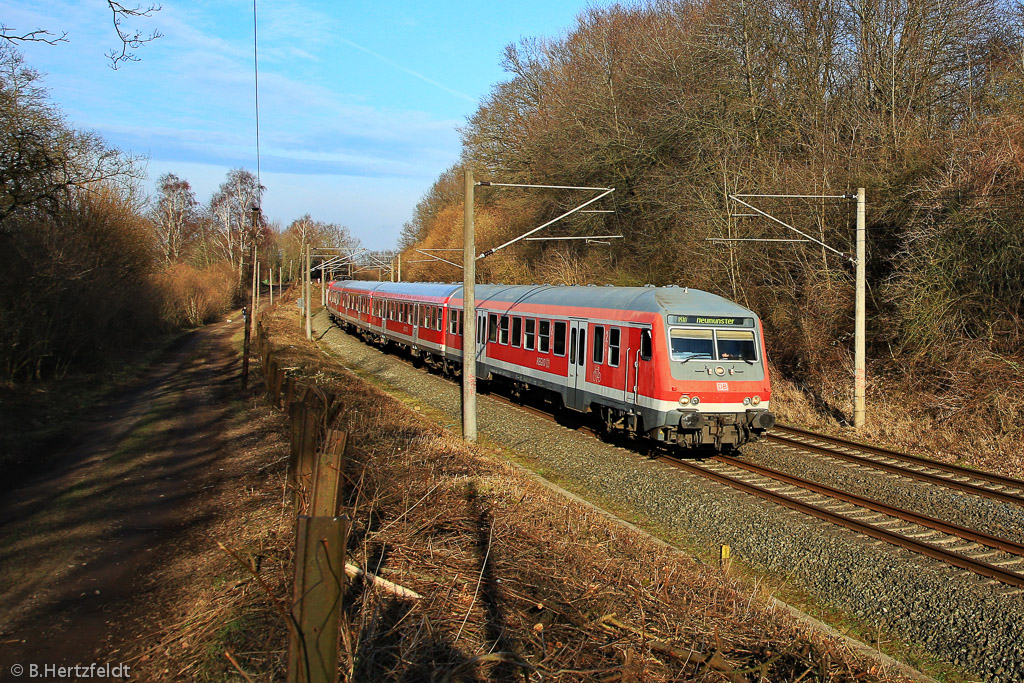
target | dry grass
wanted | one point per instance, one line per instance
(972, 423)
(216, 606)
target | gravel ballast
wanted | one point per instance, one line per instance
(957, 616)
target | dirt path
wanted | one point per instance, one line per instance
(77, 544)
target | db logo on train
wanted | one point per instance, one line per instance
(723, 386)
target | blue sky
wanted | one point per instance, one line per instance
(359, 101)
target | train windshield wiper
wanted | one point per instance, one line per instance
(706, 356)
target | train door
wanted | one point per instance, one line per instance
(643, 365)
(415, 309)
(577, 373)
(481, 338)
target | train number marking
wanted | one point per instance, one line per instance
(543, 362)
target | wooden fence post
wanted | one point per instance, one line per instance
(289, 392)
(314, 415)
(316, 599)
(297, 414)
(327, 488)
(278, 380)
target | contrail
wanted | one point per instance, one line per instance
(408, 71)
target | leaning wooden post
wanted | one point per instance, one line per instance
(327, 487)
(316, 599)
(297, 414)
(313, 418)
(289, 392)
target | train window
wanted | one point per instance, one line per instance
(614, 340)
(517, 331)
(460, 316)
(582, 355)
(531, 326)
(492, 327)
(481, 328)
(559, 338)
(646, 345)
(504, 330)
(438, 322)
(453, 321)
(599, 344)
(544, 334)
(689, 344)
(572, 347)
(736, 345)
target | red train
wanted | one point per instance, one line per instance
(677, 365)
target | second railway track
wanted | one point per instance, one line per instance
(958, 546)
(985, 484)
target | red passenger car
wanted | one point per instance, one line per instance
(674, 364)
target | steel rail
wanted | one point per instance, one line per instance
(991, 477)
(1003, 544)
(902, 471)
(976, 566)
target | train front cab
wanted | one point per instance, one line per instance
(715, 369)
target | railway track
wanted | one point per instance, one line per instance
(983, 484)
(989, 556)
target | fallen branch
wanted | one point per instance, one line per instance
(714, 660)
(353, 571)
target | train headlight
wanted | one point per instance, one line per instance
(756, 400)
(719, 371)
(684, 400)
(694, 400)
(746, 401)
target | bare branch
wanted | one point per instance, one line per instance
(38, 36)
(130, 40)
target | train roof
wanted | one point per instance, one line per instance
(431, 289)
(647, 299)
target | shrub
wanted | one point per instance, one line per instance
(193, 297)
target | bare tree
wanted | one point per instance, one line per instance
(175, 217)
(231, 216)
(41, 158)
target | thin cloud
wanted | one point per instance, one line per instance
(408, 71)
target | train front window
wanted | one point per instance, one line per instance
(692, 344)
(736, 345)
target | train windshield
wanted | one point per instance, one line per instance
(693, 344)
(736, 345)
(690, 344)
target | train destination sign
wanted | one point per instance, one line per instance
(709, 320)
